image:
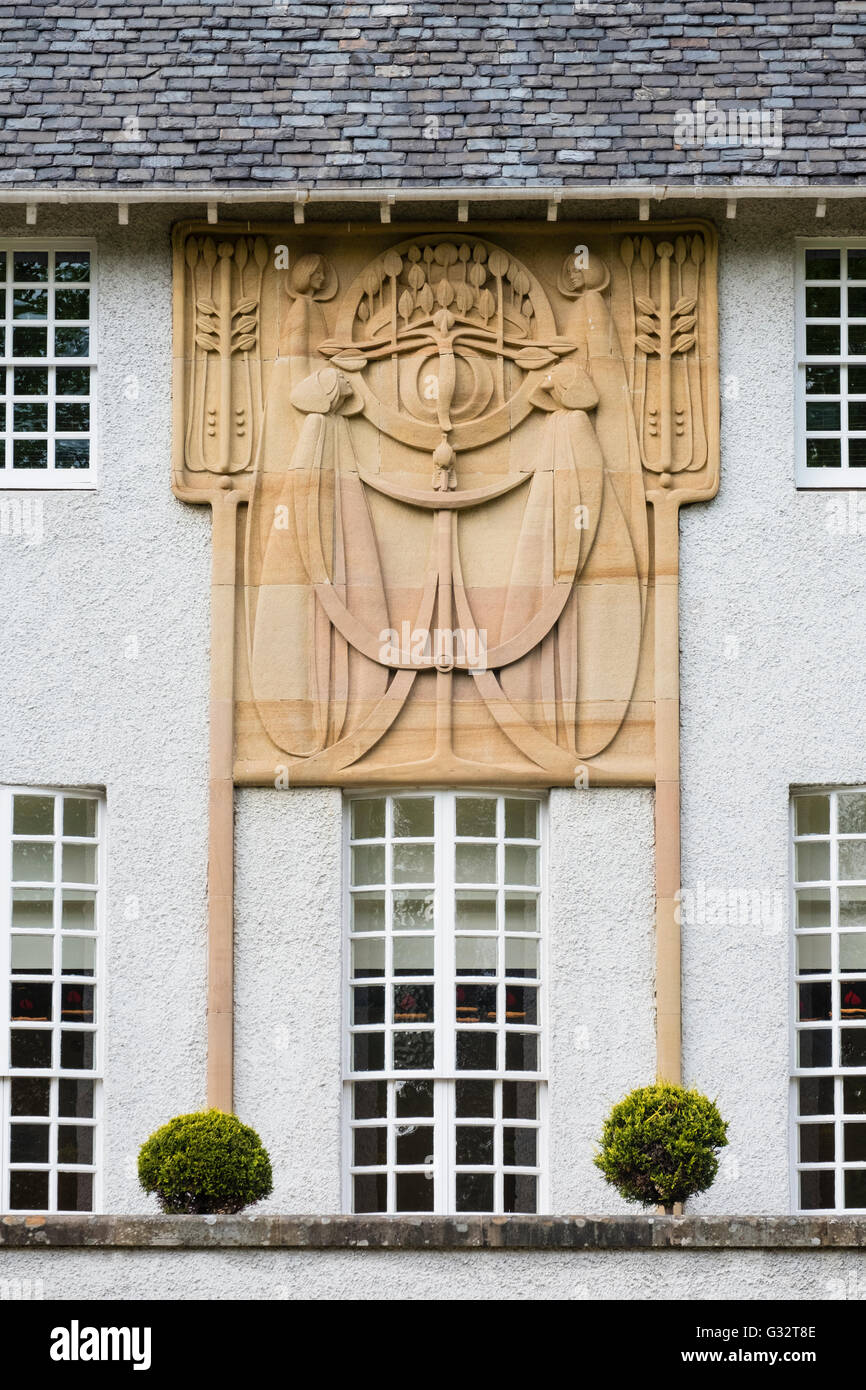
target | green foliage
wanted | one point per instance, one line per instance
(203, 1163)
(659, 1145)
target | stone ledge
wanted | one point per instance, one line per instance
(434, 1232)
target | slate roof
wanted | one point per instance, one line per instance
(145, 95)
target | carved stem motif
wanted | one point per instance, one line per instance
(226, 368)
(665, 284)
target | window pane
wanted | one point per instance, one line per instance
(521, 819)
(521, 864)
(519, 1100)
(852, 951)
(28, 1191)
(75, 1144)
(475, 1003)
(368, 957)
(822, 264)
(30, 1095)
(823, 340)
(519, 1147)
(32, 862)
(521, 1051)
(72, 265)
(852, 859)
(475, 911)
(29, 1143)
(813, 861)
(79, 863)
(813, 955)
(371, 1147)
(853, 1047)
(521, 957)
(413, 817)
(74, 1191)
(32, 908)
(30, 1002)
(823, 381)
(413, 1051)
(368, 819)
(414, 1192)
(520, 1192)
(30, 265)
(33, 815)
(368, 912)
(817, 1143)
(852, 999)
(31, 1049)
(413, 863)
(474, 1144)
(76, 1098)
(823, 453)
(32, 955)
(476, 1051)
(371, 1192)
(368, 864)
(823, 303)
(79, 910)
(813, 907)
(413, 955)
(855, 1188)
(368, 1004)
(823, 415)
(370, 1100)
(413, 1003)
(475, 1098)
(854, 1095)
(76, 1051)
(818, 1190)
(475, 1192)
(476, 816)
(814, 1002)
(815, 1046)
(475, 863)
(79, 817)
(475, 955)
(368, 1052)
(816, 1095)
(413, 911)
(413, 1098)
(413, 1144)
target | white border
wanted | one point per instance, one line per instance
(78, 480)
(812, 479)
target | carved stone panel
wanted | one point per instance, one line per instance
(445, 444)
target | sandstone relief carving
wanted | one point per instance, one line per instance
(445, 446)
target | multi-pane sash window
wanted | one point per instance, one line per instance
(831, 358)
(48, 365)
(50, 871)
(444, 1093)
(830, 1000)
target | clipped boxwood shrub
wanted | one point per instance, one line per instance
(205, 1163)
(660, 1143)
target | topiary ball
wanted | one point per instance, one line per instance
(659, 1145)
(205, 1163)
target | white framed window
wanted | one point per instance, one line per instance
(831, 363)
(829, 999)
(444, 1065)
(48, 365)
(51, 874)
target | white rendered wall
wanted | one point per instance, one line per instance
(289, 988)
(773, 629)
(105, 683)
